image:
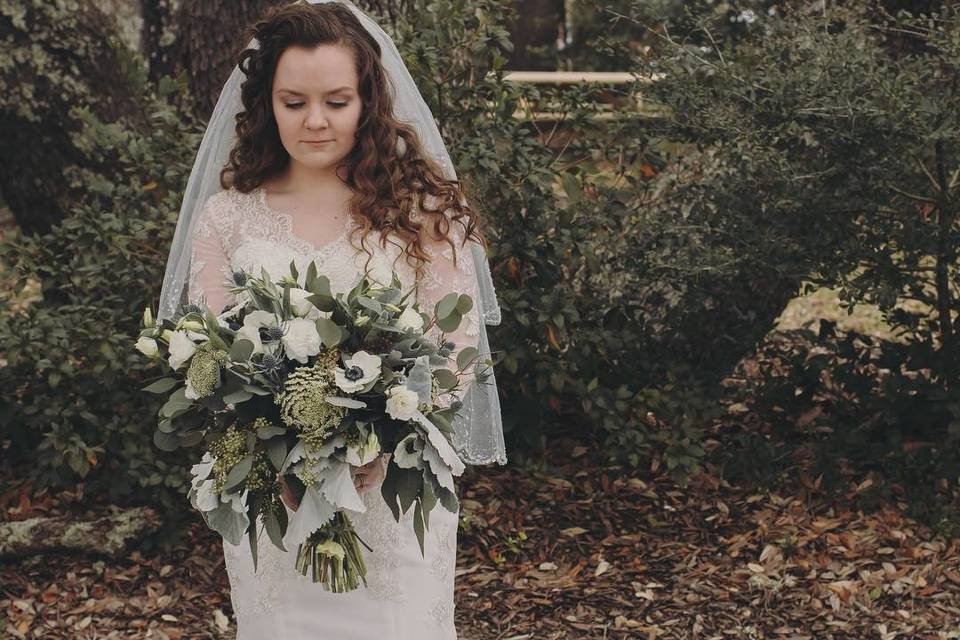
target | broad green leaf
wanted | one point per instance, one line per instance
(466, 356)
(166, 441)
(418, 526)
(265, 433)
(447, 379)
(161, 386)
(241, 350)
(271, 523)
(329, 331)
(237, 397)
(238, 473)
(464, 304)
(277, 452)
(447, 304)
(451, 322)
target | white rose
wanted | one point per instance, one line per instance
(358, 371)
(260, 318)
(181, 349)
(401, 403)
(410, 319)
(148, 347)
(300, 339)
(301, 306)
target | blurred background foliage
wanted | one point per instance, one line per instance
(743, 258)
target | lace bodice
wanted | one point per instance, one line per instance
(236, 230)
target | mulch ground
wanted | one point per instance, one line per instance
(573, 550)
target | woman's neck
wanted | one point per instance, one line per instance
(309, 184)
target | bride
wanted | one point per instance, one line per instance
(335, 158)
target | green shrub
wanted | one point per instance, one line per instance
(73, 407)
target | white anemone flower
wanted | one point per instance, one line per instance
(358, 371)
(401, 403)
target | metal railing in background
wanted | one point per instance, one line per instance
(607, 110)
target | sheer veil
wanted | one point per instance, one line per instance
(478, 428)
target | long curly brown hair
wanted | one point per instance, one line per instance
(391, 177)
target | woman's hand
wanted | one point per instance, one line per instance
(288, 496)
(370, 475)
(365, 478)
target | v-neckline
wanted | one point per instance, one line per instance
(288, 218)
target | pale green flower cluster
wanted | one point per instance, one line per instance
(261, 474)
(303, 403)
(204, 372)
(229, 450)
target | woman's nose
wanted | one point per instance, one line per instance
(316, 119)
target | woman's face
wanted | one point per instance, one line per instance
(315, 100)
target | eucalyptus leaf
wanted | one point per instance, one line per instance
(178, 400)
(409, 482)
(464, 304)
(271, 523)
(265, 433)
(373, 305)
(277, 452)
(329, 331)
(446, 305)
(466, 356)
(451, 322)
(350, 403)
(191, 438)
(237, 397)
(241, 350)
(418, 526)
(238, 473)
(161, 386)
(166, 441)
(447, 379)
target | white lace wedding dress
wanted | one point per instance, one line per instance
(407, 596)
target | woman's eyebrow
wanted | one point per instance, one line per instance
(297, 93)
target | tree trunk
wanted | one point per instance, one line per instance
(211, 35)
(537, 23)
(76, 67)
(109, 535)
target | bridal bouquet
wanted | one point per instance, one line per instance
(294, 381)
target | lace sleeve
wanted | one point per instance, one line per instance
(441, 277)
(209, 264)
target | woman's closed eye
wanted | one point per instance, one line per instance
(297, 105)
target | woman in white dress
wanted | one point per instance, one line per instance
(322, 170)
